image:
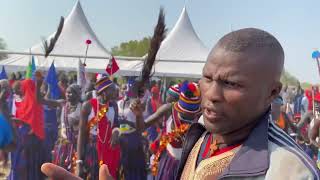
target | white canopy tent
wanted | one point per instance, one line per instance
(182, 53)
(72, 40)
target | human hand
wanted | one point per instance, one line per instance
(56, 172)
(314, 132)
(61, 101)
(136, 107)
(115, 138)
(104, 173)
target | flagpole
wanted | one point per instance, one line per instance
(88, 42)
(318, 65)
(30, 54)
(85, 57)
(313, 108)
(111, 67)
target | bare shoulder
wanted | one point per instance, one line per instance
(165, 107)
(86, 107)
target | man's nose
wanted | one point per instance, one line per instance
(215, 92)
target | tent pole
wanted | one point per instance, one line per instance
(95, 57)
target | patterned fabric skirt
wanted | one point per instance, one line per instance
(133, 160)
(64, 154)
(91, 162)
(167, 167)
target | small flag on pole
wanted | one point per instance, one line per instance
(52, 81)
(3, 74)
(81, 75)
(31, 69)
(112, 66)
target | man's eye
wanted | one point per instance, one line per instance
(207, 78)
(231, 84)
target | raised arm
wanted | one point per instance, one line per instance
(82, 138)
(41, 99)
(158, 115)
(142, 124)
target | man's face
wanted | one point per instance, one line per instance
(17, 89)
(108, 93)
(234, 91)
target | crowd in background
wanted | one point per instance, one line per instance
(82, 128)
(51, 127)
(294, 111)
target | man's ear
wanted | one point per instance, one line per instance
(275, 91)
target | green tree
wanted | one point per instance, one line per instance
(306, 85)
(288, 79)
(3, 46)
(133, 48)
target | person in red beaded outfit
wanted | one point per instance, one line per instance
(98, 132)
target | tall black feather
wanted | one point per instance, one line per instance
(158, 36)
(48, 47)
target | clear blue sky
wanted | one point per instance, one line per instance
(294, 23)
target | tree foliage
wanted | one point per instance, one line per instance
(3, 46)
(288, 79)
(133, 48)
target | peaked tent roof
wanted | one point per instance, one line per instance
(182, 53)
(182, 43)
(72, 40)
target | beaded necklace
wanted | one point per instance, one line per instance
(102, 113)
(177, 133)
(69, 129)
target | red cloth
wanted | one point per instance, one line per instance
(155, 90)
(11, 82)
(154, 146)
(29, 110)
(308, 94)
(225, 149)
(108, 154)
(112, 66)
(218, 151)
(155, 99)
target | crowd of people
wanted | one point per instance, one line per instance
(84, 128)
(235, 122)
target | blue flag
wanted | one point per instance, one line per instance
(52, 81)
(3, 74)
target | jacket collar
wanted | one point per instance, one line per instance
(253, 152)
